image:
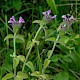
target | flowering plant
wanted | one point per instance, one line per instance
(16, 23)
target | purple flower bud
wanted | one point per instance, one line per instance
(48, 12)
(64, 16)
(67, 22)
(12, 20)
(44, 13)
(53, 17)
(47, 17)
(71, 18)
(21, 20)
(16, 23)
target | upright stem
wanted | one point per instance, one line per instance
(52, 50)
(6, 32)
(54, 46)
(31, 47)
(14, 54)
(14, 42)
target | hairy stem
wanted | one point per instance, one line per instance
(14, 54)
(54, 46)
(31, 47)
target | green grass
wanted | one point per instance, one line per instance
(41, 51)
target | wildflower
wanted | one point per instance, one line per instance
(21, 20)
(16, 23)
(47, 17)
(67, 22)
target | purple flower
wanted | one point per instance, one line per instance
(21, 20)
(64, 16)
(47, 17)
(68, 18)
(67, 22)
(71, 18)
(47, 13)
(12, 20)
(16, 23)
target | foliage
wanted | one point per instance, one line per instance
(37, 49)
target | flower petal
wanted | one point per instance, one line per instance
(44, 13)
(12, 20)
(21, 20)
(71, 18)
(64, 16)
(54, 16)
(48, 12)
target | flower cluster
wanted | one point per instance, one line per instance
(67, 21)
(47, 17)
(16, 23)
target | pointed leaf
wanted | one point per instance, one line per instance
(46, 63)
(21, 58)
(15, 62)
(56, 57)
(37, 21)
(8, 36)
(21, 75)
(29, 43)
(50, 39)
(49, 54)
(30, 65)
(36, 73)
(8, 76)
(20, 37)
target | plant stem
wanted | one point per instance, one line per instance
(14, 54)
(54, 46)
(6, 32)
(31, 47)
(52, 50)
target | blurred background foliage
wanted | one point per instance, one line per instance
(66, 57)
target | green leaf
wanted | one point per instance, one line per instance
(8, 76)
(64, 39)
(46, 63)
(76, 36)
(17, 4)
(21, 76)
(9, 36)
(30, 65)
(56, 57)
(49, 54)
(20, 37)
(15, 62)
(21, 58)
(36, 73)
(29, 44)
(50, 39)
(66, 58)
(37, 21)
(62, 76)
(61, 33)
(52, 5)
(18, 78)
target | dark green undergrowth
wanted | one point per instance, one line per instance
(39, 50)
